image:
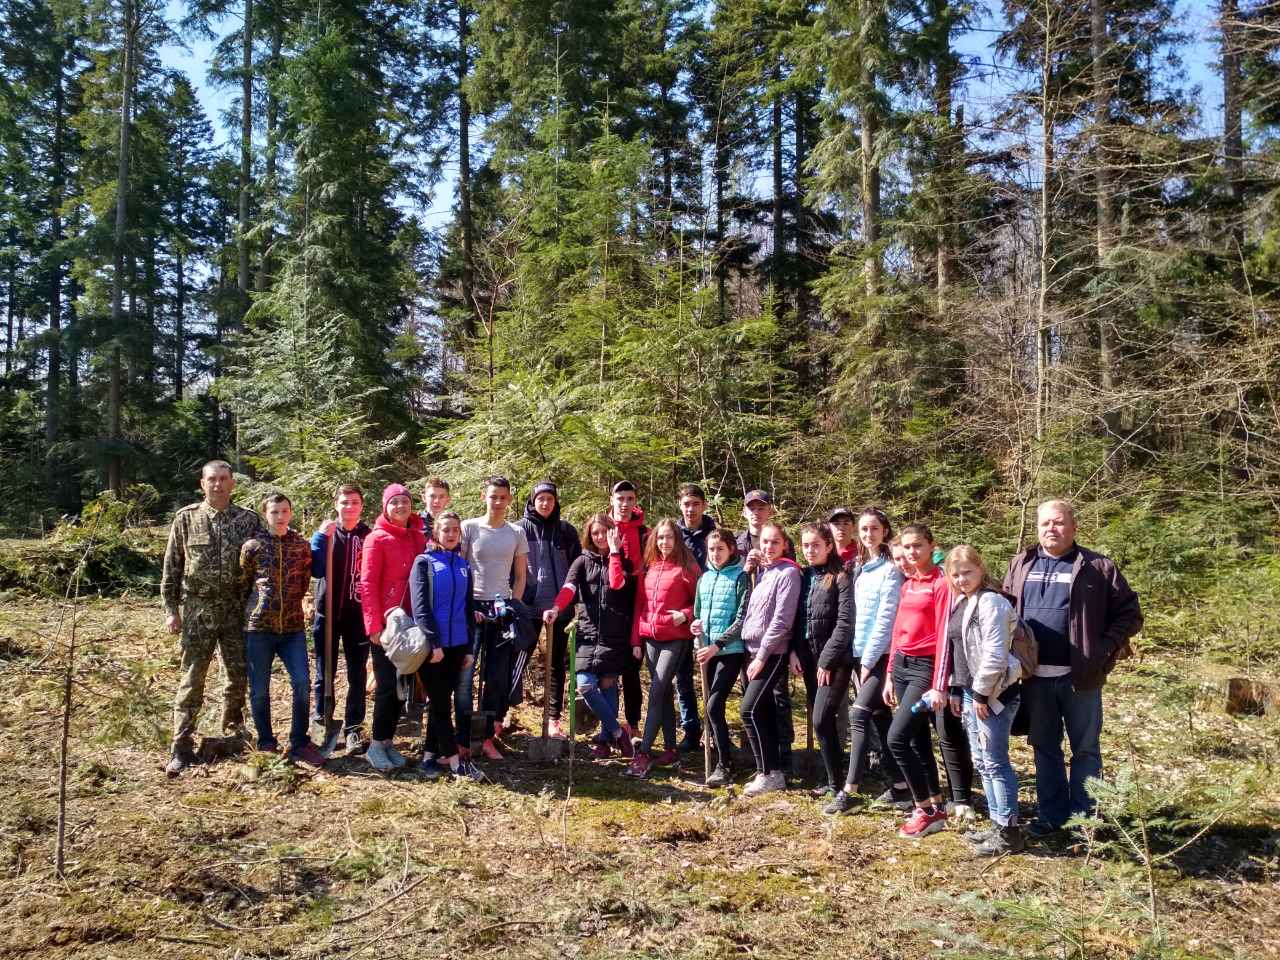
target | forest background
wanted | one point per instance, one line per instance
(754, 243)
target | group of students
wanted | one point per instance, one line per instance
(913, 642)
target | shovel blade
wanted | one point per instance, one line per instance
(332, 731)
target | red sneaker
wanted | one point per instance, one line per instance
(490, 751)
(601, 751)
(623, 743)
(640, 766)
(924, 822)
(667, 758)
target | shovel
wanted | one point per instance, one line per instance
(332, 726)
(480, 716)
(811, 765)
(706, 728)
(573, 698)
(546, 747)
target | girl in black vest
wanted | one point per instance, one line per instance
(823, 640)
(602, 583)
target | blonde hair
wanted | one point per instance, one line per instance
(1066, 507)
(964, 553)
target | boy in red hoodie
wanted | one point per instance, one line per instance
(628, 519)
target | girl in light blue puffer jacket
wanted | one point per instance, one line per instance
(718, 609)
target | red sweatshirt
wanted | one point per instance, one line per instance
(663, 587)
(387, 560)
(633, 531)
(920, 627)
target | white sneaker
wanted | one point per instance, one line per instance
(378, 758)
(765, 783)
(960, 813)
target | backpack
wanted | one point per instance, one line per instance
(404, 643)
(1025, 648)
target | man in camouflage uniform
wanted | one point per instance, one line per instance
(205, 604)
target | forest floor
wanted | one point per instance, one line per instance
(250, 857)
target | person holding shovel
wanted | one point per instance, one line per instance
(823, 641)
(338, 546)
(718, 610)
(603, 585)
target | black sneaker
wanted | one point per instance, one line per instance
(825, 792)
(841, 803)
(721, 776)
(1002, 840)
(691, 742)
(181, 758)
(898, 799)
(466, 770)
(978, 835)
(1042, 830)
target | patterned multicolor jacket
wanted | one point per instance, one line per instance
(275, 573)
(202, 559)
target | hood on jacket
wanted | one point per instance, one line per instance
(544, 524)
(703, 528)
(637, 517)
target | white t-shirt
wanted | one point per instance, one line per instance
(492, 551)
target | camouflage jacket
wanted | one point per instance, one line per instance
(275, 573)
(202, 560)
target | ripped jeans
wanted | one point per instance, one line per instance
(989, 744)
(602, 701)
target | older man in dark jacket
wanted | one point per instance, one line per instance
(1082, 613)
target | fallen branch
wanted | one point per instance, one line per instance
(378, 906)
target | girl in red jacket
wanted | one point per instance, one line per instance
(387, 561)
(660, 631)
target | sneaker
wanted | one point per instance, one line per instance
(309, 754)
(271, 747)
(625, 748)
(356, 743)
(924, 821)
(978, 835)
(842, 802)
(1042, 830)
(640, 766)
(601, 751)
(1001, 841)
(960, 813)
(691, 742)
(489, 750)
(430, 770)
(667, 758)
(396, 756)
(466, 770)
(899, 799)
(377, 757)
(555, 729)
(826, 792)
(721, 776)
(765, 783)
(182, 758)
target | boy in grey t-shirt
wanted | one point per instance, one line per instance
(497, 552)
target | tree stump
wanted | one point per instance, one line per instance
(1255, 697)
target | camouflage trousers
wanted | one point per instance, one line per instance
(206, 628)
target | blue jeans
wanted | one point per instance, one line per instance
(603, 702)
(687, 699)
(989, 746)
(261, 649)
(1053, 705)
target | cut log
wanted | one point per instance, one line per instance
(1251, 696)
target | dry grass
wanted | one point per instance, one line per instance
(258, 859)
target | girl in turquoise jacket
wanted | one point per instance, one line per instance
(718, 608)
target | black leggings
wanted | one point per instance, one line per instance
(759, 714)
(386, 698)
(440, 680)
(868, 709)
(559, 654)
(910, 741)
(722, 671)
(632, 695)
(826, 711)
